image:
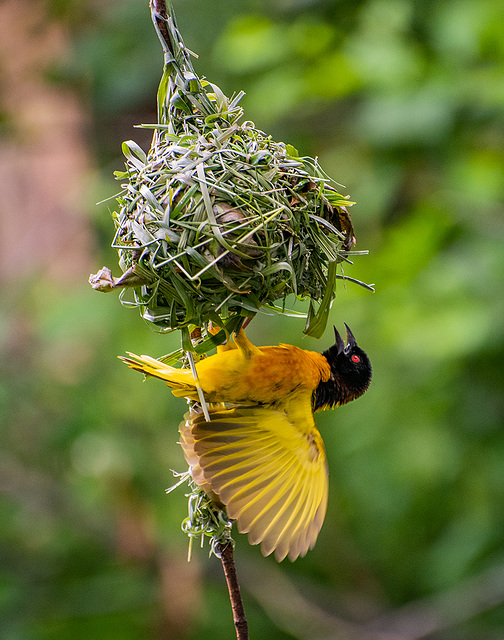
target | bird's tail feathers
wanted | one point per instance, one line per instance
(181, 381)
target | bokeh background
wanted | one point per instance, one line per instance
(403, 102)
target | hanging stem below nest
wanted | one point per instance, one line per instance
(225, 550)
(240, 621)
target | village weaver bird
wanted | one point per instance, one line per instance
(261, 455)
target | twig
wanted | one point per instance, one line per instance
(240, 621)
(160, 16)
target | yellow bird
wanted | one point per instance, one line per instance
(261, 454)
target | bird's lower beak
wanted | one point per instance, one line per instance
(339, 341)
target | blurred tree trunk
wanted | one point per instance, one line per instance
(45, 235)
(43, 155)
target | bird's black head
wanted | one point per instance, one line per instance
(350, 373)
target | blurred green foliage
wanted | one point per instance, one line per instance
(403, 101)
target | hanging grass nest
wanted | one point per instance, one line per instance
(218, 221)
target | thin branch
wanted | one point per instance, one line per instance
(291, 610)
(160, 17)
(438, 612)
(240, 621)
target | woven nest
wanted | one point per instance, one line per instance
(218, 221)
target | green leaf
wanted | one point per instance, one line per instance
(317, 321)
(151, 199)
(185, 336)
(134, 154)
(291, 151)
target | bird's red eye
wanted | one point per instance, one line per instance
(355, 359)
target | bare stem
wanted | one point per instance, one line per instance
(160, 16)
(240, 621)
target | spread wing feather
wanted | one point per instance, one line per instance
(270, 474)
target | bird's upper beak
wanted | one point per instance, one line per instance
(351, 341)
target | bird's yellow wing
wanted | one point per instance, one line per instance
(270, 474)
